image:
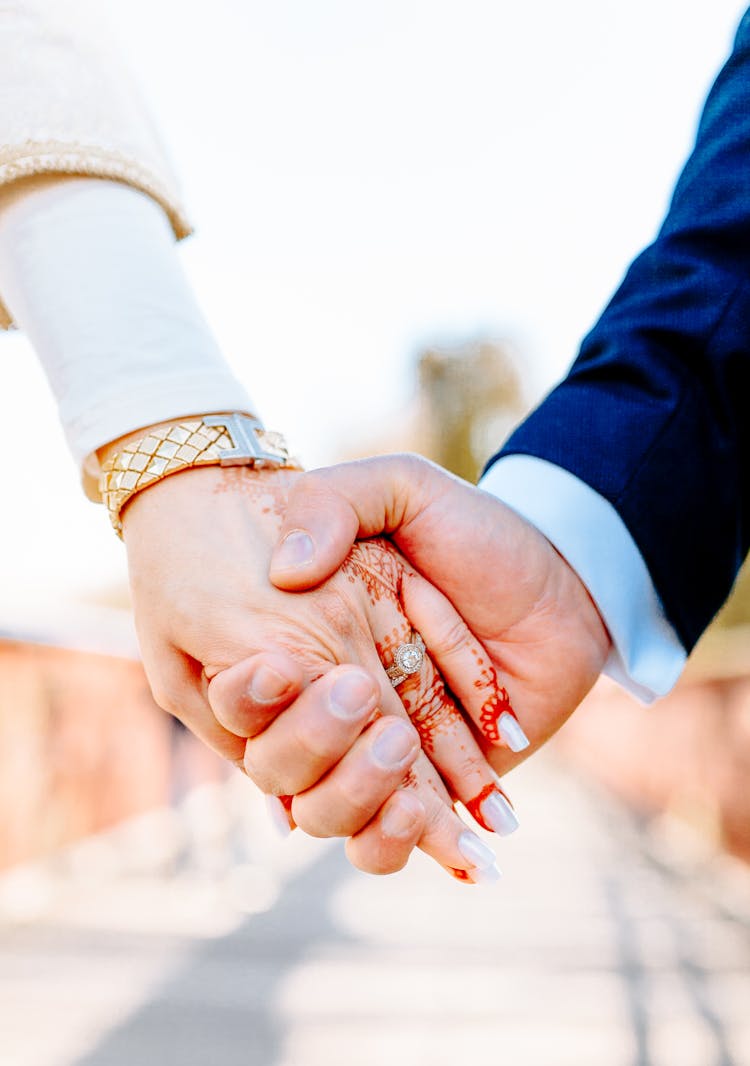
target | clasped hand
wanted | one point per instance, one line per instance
(293, 688)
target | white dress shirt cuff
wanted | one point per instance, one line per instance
(647, 656)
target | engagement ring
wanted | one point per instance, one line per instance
(407, 660)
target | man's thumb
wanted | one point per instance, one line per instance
(329, 509)
(317, 533)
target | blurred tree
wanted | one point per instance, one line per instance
(469, 399)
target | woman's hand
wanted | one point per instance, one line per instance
(545, 640)
(199, 546)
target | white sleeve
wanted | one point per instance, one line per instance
(90, 272)
(647, 656)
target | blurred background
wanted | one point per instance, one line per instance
(408, 214)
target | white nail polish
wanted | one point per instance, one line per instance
(488, 876)
(499, 815)
(510, 730)
(278, 816)
(475, 851)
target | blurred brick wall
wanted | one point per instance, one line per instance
(688, 753)
(82, 745)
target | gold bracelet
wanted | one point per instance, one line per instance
(206, 440)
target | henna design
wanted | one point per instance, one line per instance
(492, 709)
(386, 648)
(381, 571)
(411, 780)
(432, 783)
(460, 875)
(375, 563)
(474, 806)
(255, 487)
(496, 704)
(434, 713)
(435, 710)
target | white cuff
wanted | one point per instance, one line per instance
(90, 272)
(647, 656)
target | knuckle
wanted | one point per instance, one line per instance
(339, 812)
(168, 699)
(336, 612)
(310, 481)
(357, 801)
(406, 463)
(377, 861)
(257, 769)
(317, 819)
(307, 489)
(470, 770)
(183, 625)
(454, 637)
(318, 746)
(277, 772)
(228, 746)
(438, 822)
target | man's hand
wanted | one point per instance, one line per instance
(199, 546)
(545, 640)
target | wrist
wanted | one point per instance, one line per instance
(256, 498)
(138, 461)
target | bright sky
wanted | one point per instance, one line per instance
(366, 177)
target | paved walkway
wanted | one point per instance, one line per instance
(226, 948)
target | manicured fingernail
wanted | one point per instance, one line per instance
(510, 730)
(278, 816)
(475, 851)
(401, 816)
(393, 745)
(296, 549)
(489, 876)
(351, 694)
(266, 685)
(498, 814)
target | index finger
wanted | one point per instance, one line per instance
(249, 695)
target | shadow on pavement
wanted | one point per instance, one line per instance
(636, 979)
(221, 1006)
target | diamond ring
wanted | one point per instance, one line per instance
(407, 660)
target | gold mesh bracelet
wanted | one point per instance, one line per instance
(208, 440)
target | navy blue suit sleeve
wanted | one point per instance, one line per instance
(655, 412)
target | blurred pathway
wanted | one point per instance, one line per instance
(229, 948)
